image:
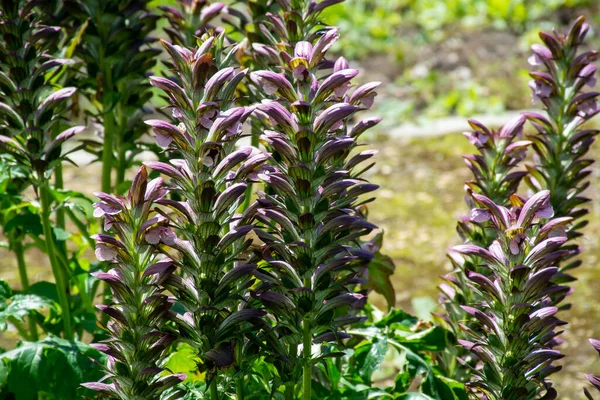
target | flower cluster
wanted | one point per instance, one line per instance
(310, 207)
(210, 178)
(140, 309)
(29, 107)
(494, 176)
(561, 145)
(515, 334)
(30, 122)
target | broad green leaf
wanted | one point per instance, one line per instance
(185, 361)
(373, 359)
(430, 339)
(398, 319)
(19, 305)
(27, 222)
(51, 366)
(44, 289)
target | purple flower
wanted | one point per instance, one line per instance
(161, 234)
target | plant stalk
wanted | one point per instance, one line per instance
(17, 247)
(214, 392)
(57, 271)
(107, 150)
(307, 367)
(289, 391)
(122, 160)
(239, 388)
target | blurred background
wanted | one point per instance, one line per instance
(440, 62)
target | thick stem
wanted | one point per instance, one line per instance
(289, 391)
(307, 366)
(239, 388)
(254, 141)
(57, 271)
(214, 392)
(121, 149)
(17, 247)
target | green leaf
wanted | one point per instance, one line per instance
(423, 307)
(371, 361)
(27, 222)
(398, 319)
(5, 290)
(51, 366)
(60, 234)
(44, 289)
(414, 396)
(19, 306)
(381, 268)
(430, 339)
(185, 361)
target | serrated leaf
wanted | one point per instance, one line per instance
(373, 359)
(19, 306)
(53, 365)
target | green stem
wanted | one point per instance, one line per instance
(17, 324)
(239, 380)
(82, 228)
(239, 388)
(307, 366)
(17, 247)
(57, 271)
(121, 150)
(254, 141)
(214, 392)
(289, 391)
(107, 150)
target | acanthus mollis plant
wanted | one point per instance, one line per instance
(31, 112)
(594, 380)
(494, 176)
(516, 329)
(138, 338)
(116, 54)
(311, 208)
(209, 180)
(561, 143)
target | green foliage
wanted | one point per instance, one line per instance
(52, 368)
(395, 346)
(18, 306)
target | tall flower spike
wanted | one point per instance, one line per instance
(30, 115)
(561, 144)
(29, 108)
(310, 208)
(494, 176)
(210, 178)
(515, 331)
(138, 337)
